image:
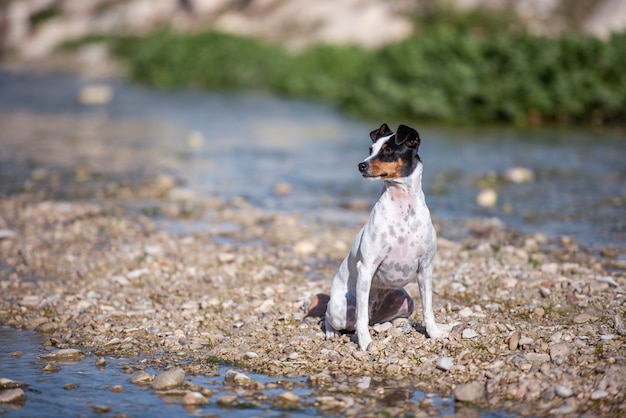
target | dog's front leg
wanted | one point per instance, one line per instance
(425, 282)
(363, 287)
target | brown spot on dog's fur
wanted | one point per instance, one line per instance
(384, 169)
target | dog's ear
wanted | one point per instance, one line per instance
(408, 135)
(380, 132)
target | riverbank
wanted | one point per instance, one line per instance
(537, 325)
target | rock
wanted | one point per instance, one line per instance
(559, 350)
(12, 396)
(70, 386)
(46, 328)
(537, 357)
(599, 394)
(304, 247)
(487, 198)
(582, 318)
(465, 312)
(469, 392)
(30, 301)
(250, 355)
(382, 328)
(444, 363)
(519, 175)
(563, 410)
(563, 391)
(235, 377)
(66, 354)
(51, 368)
(141, 377)
(195, 398)
(117, 389)
(101, 409)
(168, 379)
(11, 384)
(514, 340)
(468, 334)
(95, 94)
(6, 234)
(289, 399)
(227, 400)
(283, 189)
(101, 362)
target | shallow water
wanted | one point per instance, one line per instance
(247, 144)
(47, 397)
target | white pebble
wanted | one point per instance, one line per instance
(469, 333)
(444, 363)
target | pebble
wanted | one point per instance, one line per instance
(468, 334)
(305, 247)
(582, 318)
(227, 400)
(195, 398)
(51, 368)
(563, 410)
(469, 392)
(117, 389)
(599, 394)
(141, 377)
(514, 340)
(6, 234)
(465, 312)
(444, 363)
(559, 350)
(66, 354)
(250, 355)
(101, 362)
(289, 399)
(168, 379)
(563, 391)
(95, 94)
(238, 378)
(11, 384)
(12, 396)
(46, 328)
(487, 198)
(519, 175)
(382, 328)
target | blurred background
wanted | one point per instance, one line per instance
(521, 106)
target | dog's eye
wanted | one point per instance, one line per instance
(370, 150)
(387, 151)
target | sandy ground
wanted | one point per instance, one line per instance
(537, 325)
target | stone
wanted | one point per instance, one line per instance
(304, 247)
(582, 318)
(95, 94)
(141, 377)
(250, 355)
(465, 312)
(487, 198)
(599, 394)
(168, 379)
(12, 396)
(514, 340)
(195, 398)
(469, 392)
(11, 384)
(382, 328)
(66, 354)
(289, 399)
(559, 350)
(444, 363)
(468, 334)
(46, 328)
(235, 377)
(227, 400)
(563, 391)
(519, 175)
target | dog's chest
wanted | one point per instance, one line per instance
(409, 239)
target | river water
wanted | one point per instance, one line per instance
(248, 144)
(255, 145)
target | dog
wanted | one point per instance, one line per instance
(395, 246)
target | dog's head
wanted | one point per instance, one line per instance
(392, 155)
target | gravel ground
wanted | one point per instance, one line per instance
(537, 325)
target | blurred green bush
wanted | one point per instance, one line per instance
(446, 72)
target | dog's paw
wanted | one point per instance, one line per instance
(364, 341)
(436, 333)
(330, 332)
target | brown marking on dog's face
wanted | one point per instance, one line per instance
(386, 169)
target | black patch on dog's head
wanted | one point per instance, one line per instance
(380, 132)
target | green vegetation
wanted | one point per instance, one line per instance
(454, 70)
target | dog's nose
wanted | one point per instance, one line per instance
(362, 166)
